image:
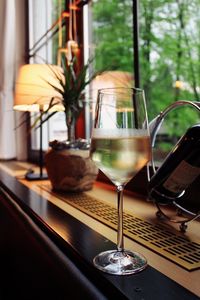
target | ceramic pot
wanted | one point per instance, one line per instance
(69, 167)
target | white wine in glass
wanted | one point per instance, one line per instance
(120, 147)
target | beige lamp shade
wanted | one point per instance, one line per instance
(110, 79)
(113, 79)
(33, 89)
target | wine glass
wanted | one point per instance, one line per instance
(120, 147)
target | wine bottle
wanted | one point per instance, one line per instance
(179, 169)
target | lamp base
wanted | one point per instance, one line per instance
(35, 176)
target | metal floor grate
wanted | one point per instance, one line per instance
(172, 246)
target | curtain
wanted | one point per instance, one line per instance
(12, 54)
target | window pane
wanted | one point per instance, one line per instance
(169, 58)
(111, 44)
(112, 34)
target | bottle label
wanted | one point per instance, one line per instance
(181, 177)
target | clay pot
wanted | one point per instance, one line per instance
(70, 170)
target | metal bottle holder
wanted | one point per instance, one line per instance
(155, 125)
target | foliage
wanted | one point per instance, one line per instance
(112, 34)
(169, 33)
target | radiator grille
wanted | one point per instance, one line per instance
(171, 245)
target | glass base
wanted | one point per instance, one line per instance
(120, 262)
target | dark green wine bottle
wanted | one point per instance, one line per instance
(179, 169)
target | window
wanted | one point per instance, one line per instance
(46, 42)
(169, 62)
(169, 40)
(110, 43)
(120, 57)
(43, 48)
(169, 43)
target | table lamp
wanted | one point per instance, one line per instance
(33, 92)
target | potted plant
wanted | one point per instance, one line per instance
(68, 165)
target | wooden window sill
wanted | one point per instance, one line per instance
(58, 219)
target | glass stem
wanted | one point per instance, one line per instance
(120, 236)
